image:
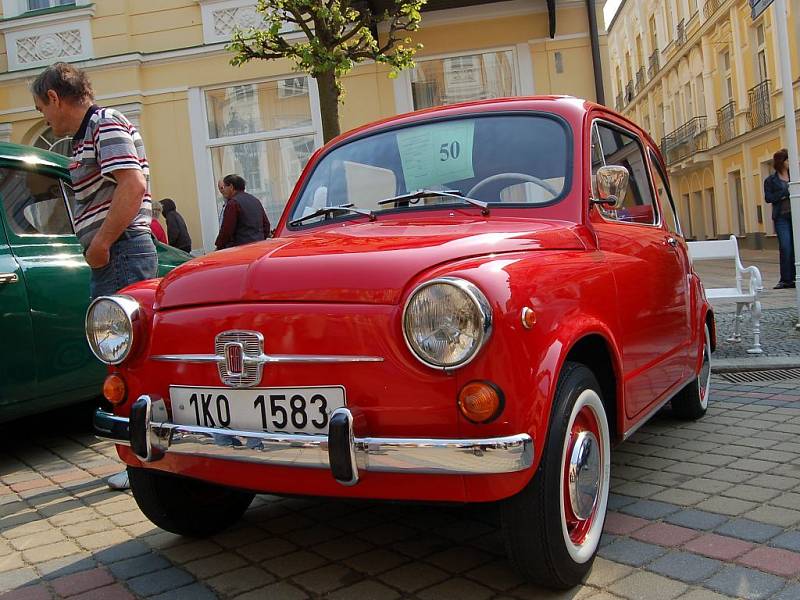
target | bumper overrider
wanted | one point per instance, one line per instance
(339, 451)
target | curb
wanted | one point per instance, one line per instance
(754, 363)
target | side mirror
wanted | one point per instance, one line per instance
(612, 184)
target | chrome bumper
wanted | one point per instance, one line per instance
(340, 452)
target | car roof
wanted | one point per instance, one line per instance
(30, 156)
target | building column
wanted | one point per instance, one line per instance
(708, 83)
(738, 66)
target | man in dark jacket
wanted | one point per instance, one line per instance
(177, 234)
(243, 218)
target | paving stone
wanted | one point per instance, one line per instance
(747, 529)
(12, 562)
(326, 579)
(679, 497)
(499, 575)
(718, 546)
(753, 493)
(193, 591)
(631, 552)
(289, 564)
(100, 540)
(214, 565)
(30, 592)
(773, 560)
(791, 592)
(749, 584)
(665, 534)
(622, 524)
(17, 578)
(375, 561)
(726, 506)
(730, 475)
(110, 592)
(789, 541)
(413, 577)
(277, 591)
(369, 590)
(117, 552)
(684, 566)
(168, 579)
(76, 583)
(197, 549)
(650, 509)
(774, 482)
(458, 559)
(617, 501)
(58, 567)
(139, 565)
(774, 515)
(639, 490)
(704, 485)
(44, 553)
(605, 572)
(696, 519)
(241, 580)
(648, 585)
(703, 594)
(690, 468)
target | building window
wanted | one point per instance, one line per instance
(463, 78)
(726, 75)
(264, 133)
(47, 140)
(761, 55)
(40, 4)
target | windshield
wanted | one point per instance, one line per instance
(518, 159)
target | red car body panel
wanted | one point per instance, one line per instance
(340, 288)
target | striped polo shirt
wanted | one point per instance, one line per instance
(106, 141)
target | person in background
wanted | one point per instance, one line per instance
(111, 178)
(776, 192)
(177, 233)
(155, 226)
(243, 217)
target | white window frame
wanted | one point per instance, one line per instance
(202, 145)
(15, 8)
(522, 65)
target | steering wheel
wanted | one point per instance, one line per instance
(521, 176)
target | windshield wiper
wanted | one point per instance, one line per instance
(413, 196)
(326, 210)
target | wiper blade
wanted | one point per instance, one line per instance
(326, 210)
(412, 196)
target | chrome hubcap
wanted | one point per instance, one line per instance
(584, 474)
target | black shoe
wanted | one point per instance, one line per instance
(782, 285)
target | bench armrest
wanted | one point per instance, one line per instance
(755, 283)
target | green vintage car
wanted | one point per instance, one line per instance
(45, 361)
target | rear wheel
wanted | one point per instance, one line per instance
(186, 506)
(553, 526)
(692, 401)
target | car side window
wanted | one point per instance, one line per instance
(665, 197)
(620, 148)
(34, 203)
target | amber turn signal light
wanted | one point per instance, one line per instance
(480, 401)
(114, 389)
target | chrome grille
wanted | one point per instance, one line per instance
(252, 344)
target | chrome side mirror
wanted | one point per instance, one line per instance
(611, 183)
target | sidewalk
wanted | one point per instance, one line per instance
(779, 338)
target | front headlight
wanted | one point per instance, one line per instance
(109, 327)
(446, 321)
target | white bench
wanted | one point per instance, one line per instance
(744, 296)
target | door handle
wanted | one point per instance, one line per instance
(9, 278)
(672, 241)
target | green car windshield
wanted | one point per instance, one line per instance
(509, 159)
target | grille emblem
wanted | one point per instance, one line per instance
(239, 353)
(233, 358)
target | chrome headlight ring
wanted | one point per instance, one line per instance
(482, 325)
(122, 317)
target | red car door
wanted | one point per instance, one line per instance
(649, 274)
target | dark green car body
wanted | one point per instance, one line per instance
(45, 361)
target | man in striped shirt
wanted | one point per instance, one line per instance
(110, 177)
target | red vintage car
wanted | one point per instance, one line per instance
(463, 304)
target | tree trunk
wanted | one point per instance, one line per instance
(328, 105)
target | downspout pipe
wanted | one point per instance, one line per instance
(597, 64)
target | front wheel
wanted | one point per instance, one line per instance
(186, 506)
(692, 401)
(552, 528)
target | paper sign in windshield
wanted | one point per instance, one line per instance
(433, 155)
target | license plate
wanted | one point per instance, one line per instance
(284, 410)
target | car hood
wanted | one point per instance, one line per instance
(369, 263)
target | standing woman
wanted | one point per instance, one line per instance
(776, 192)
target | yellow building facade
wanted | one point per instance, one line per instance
(703, 78)
(164, 64)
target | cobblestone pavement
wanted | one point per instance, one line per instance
(703, 510)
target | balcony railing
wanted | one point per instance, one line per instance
(680, 33)
(686, 140)
(640, 80)
(629, 92)
(711, 7)
(759, 113)
(726, 122)
(654, 66)
(619, 105)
